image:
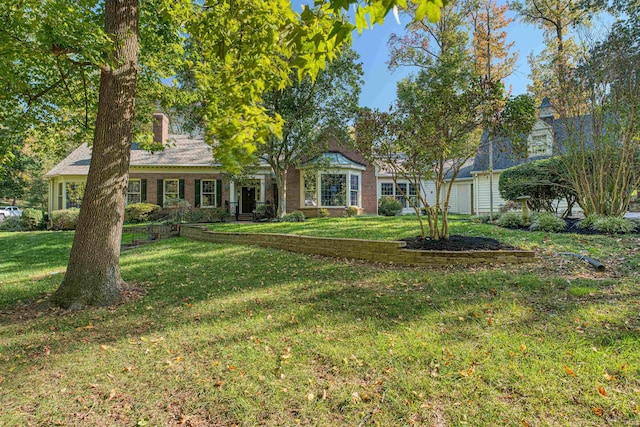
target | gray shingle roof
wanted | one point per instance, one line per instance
(503, 153)
(180, 150)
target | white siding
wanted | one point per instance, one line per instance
(481, 193)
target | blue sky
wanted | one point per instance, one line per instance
(379, 89)
(380, 83)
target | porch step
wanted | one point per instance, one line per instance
(245, 217)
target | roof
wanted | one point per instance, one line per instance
(180, 150)
(503, 153)
(337, 160)
(545, 103)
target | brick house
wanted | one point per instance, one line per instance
(186, 169)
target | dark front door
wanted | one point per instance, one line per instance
(248, 199)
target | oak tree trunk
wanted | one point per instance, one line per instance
(93, 271)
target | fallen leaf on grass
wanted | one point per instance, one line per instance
(569, 371)
(602, 391)
(355, 397)
(598, 411)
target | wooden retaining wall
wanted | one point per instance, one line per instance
(382, 251)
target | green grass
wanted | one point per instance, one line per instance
(242, 335)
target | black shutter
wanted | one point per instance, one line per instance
(197, 198)
(181, 189)
(218, 193)
(143, 190)
(160, 199)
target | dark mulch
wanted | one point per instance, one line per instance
(572, 227)
(456, 243)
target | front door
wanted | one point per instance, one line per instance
(248, 199)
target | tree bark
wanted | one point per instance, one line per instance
(281, 183)
(93, 272)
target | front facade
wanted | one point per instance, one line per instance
(335, 180)
(186, 170)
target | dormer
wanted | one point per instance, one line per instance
(545, 111)
(540, 140)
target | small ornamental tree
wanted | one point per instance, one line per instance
(544, 181)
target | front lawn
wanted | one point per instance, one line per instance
(248, 336)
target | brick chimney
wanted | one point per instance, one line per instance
(160, 128)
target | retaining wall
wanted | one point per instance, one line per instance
(369, 250)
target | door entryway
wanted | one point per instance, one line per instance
(248, 197)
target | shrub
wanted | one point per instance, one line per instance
(32, 219)
(65, 219)
(140, 212)
(323, 213)
(479, 219)
(510, 205)
(588, 221)
(547, 221)
(510, 220)
(296, 216)
(389, 206)
(12, 223)
(612, 225)
(268, 210)
(351, 211)
(207, 215)
(544, 181)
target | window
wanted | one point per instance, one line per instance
(75, 191)
(208, 193)
(355, 190)
(171, 190)
(401, 191)
(60, 196)
(310, 189)
(333, 189)
(413, 194)
(539, 146)
(134, 191)
(386, 189)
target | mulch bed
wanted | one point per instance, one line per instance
(456, 243)
(572, 227)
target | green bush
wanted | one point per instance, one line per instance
(324, 213)
(547, 221)
(351, 211)
(588, 222)
(12, 223)
(140, 212)
(484, 219)
(296, 216)
(207, 215)
(510, 220)
(389, 206)
(612, 225)
(65, 219)
(544, 181)
(32, 219)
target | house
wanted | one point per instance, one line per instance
(470, 193)
(186, 169)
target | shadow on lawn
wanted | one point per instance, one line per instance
(180, 274)
(237, 280)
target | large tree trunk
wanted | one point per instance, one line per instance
(93, 272)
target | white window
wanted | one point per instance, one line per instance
(310, 189)
(208, 193)
(354, 190)
(332, 189)
(539, 146)
(403, 191)
(134, 191)
(171, 190)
